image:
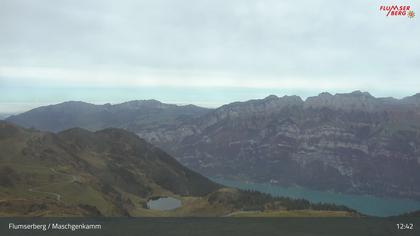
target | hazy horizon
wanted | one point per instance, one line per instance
(29, 106)
(206, 53)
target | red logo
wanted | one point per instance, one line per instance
(397, 10)
(411, 14)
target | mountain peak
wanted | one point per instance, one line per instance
(348, 101)
(139, 103)
(271, 97)
(286, 100)
(413, 100)
(417, 95)
(70, 104)
(357, 93)
(325, 94)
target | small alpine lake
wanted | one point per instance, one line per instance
(163, 203)
(366, 204)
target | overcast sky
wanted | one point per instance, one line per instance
(202, 52)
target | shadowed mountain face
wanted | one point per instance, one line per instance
(111, 171)
(353, 143)
(133, 115)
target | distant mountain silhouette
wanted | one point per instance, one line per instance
(133, 115)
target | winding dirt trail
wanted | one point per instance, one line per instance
(56, 195)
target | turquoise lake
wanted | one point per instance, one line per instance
(164, 204)
(366, 204)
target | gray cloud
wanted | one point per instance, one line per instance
(308, 39)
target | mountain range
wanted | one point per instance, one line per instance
(350, 142)
(133, 115)
(113, 172)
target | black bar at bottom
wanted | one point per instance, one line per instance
(211, 226)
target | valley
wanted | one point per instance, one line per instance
(113, 172)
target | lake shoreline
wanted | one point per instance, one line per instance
(365, 204)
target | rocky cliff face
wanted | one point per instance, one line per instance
(352, 143)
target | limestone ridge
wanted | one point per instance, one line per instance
(352, 143)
